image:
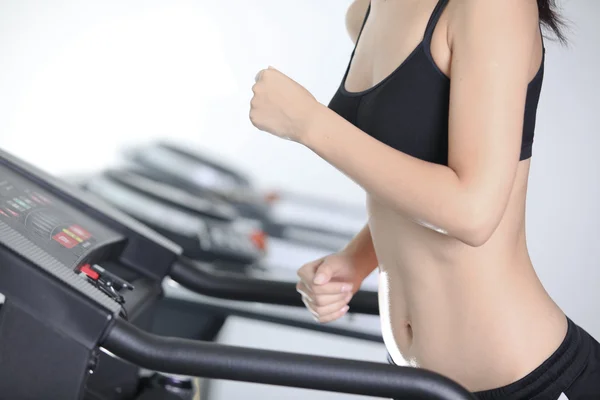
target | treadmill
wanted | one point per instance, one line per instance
(79, 280)
(282, 215)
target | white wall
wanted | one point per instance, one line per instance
(79, 79)
(83, 75)
(563, 211)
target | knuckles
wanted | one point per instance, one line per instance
(266, 74)
(258, 88)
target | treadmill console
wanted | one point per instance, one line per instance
(202, 236)
(197, 174)
(178, 162)
(50, 230)
(56, 228)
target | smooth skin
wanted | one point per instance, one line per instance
(458, 292)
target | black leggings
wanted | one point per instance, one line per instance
(571, 373)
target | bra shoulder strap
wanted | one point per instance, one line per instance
(433, 20)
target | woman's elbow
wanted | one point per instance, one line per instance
(477, 237)
(478, 227)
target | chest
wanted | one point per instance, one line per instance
(409, 113)
(392, 32)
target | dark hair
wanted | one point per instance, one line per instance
(552, 19)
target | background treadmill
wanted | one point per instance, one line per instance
(65, 318)
(305, 219)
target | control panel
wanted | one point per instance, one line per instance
(231, 242)
(60, 239)
(61, 231)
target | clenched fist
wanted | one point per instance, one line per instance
(281, 106)
(327, 286)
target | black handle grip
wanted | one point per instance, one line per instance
(201, 280)
(217, 361)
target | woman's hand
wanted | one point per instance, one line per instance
(327, 286)
(281, 106)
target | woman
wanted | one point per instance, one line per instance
(445, 168)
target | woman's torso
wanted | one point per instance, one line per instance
(478, 315)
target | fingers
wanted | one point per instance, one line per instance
(324, 273)
(329, 313)
(257, 90)
(317, 272)
(317, 276)
(322, 292)
(324, 307)
(262, 73)
(254, 103)
(329, 288)
(320, 299)
(307, 272)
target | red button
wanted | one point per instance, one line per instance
(259, 238)
(86, 269)
(65, 240)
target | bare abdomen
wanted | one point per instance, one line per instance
(477, 315)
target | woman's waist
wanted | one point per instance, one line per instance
(437, 298)
(469, 332)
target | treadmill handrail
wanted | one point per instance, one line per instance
(218, 361)
(193, 276)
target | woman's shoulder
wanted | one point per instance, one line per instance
(355, 16)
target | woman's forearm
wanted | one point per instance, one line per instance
(362, 251)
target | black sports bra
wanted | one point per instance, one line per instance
(409, 109)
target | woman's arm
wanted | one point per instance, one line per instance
(362, 252)
(491, 44)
